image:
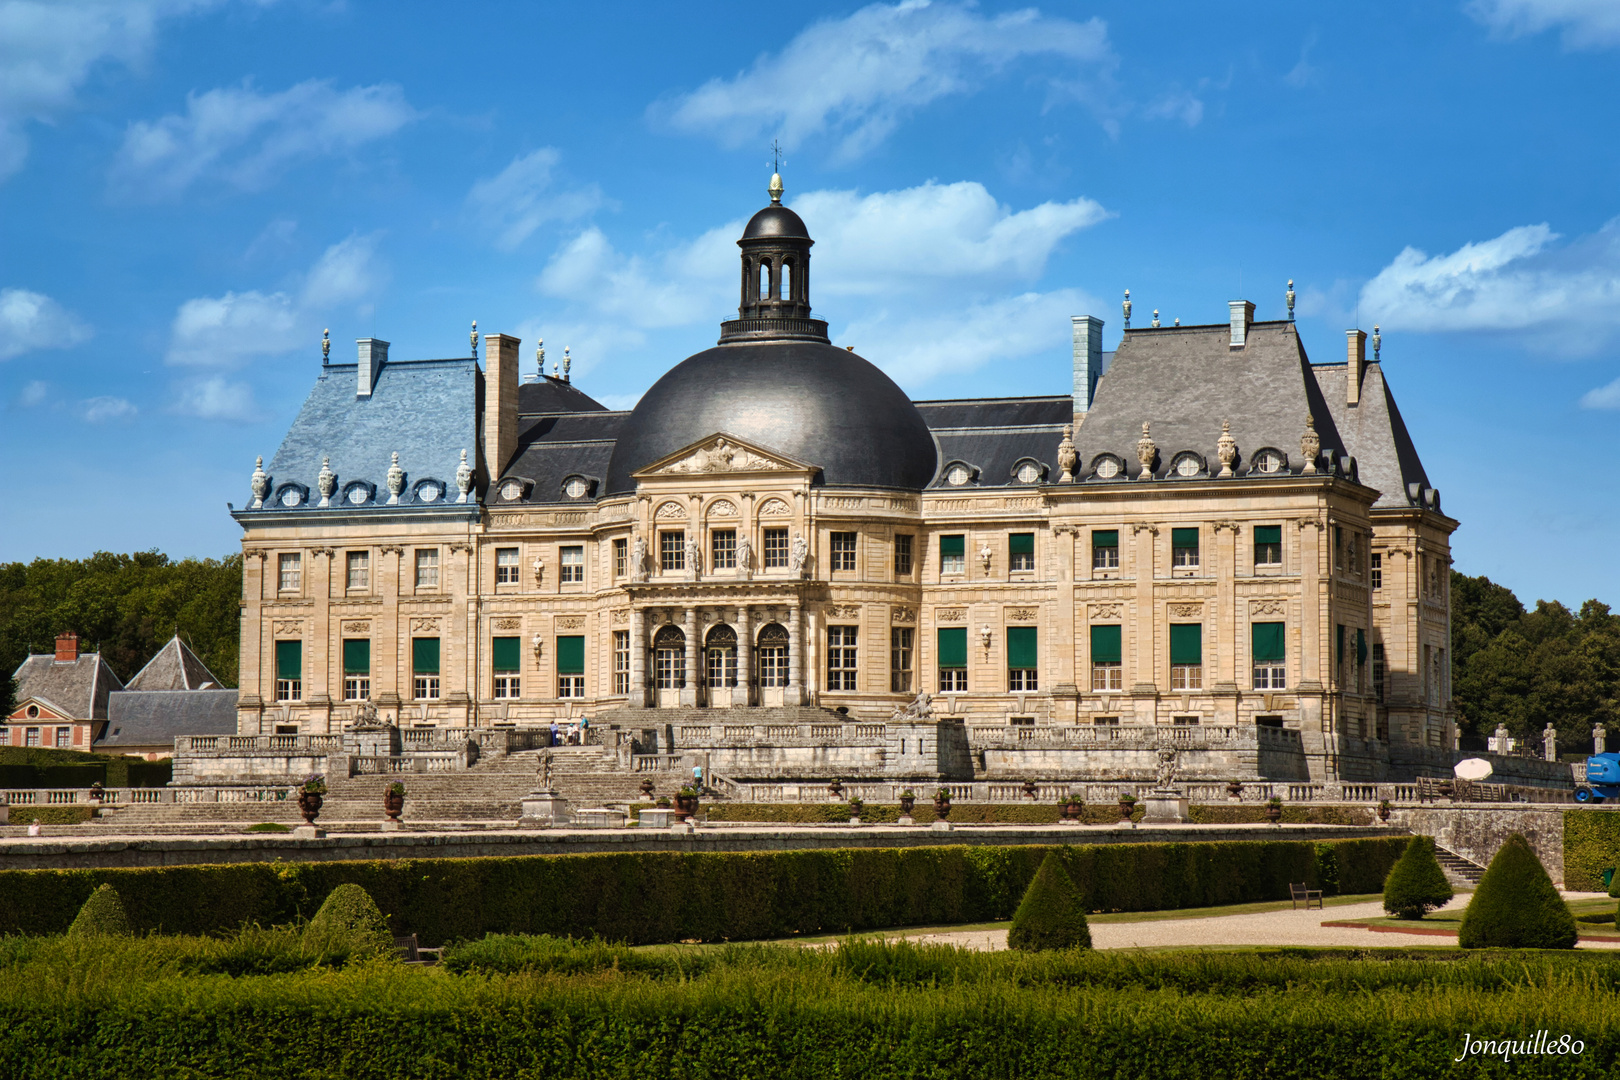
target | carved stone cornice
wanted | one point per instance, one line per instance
(1218, 526)
(1144, 526)
(390, 549)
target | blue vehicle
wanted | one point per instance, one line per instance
(1602, 779)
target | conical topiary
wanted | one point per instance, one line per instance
(1052, 914)
(101, 916)
(1516, 905)
(349, 921)
(1416, 883)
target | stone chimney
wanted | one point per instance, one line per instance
(1242, 316)
(67, 647)
(1356, 354)
(373, 355)
(1087, 363)
(500, 403)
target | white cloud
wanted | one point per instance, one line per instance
(675, 287)
(49, 49)
(245, 139)
(1602, 397)
(1177, 104)
(104, 410)
(1586, 24)
(348, 271)
(1520, 281)
(33, 393)
(856, 78)
(216, 398)
(520, 198)
(31, 320)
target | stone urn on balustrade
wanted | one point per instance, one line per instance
(836, 789)
(686, 803)
(310, 797)
(908, 801)
(942, 803)
(394, 800)
(1127, 806)
(1071, 808)
(1234, 790)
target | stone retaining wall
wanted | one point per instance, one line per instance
(1477, 833)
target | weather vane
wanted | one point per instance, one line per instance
(776, 156)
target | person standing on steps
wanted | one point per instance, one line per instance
(555, 732)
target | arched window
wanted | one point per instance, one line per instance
(721, 655)
(773, 655)
(764, 281)
(669, 658)
(787, 281)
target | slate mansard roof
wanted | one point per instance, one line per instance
(76, 688)
(175, 667)
(147, 718)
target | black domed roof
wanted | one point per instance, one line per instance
(808, 400)
(775, 220)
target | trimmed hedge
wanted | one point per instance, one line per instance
(22, 814)
(101, 916)
(1516, 905)
(36, 767)
(1417, 883)
(1591, 845)
(654, 897)
(1052, 914)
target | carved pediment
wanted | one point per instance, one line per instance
(722, 453)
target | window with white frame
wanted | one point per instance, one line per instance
(621, 558)
(1377, 560)
(356, 669)
(506, 663)
(621, 661)
(506, 566)
(776, 549)
(723, 549)
(1107, 668)
(64, 737)
(573, 565)
(843, 550)
(1269, 651)
(31, 737)
(953, 554)
(1186, 656)
(1105, 549)
(425, 668)
(672, 550)
(900, 659)
(1021, 552)
(951, 653)
(359, 571)
(1023, 660)
(1184, 549)
(289, 671)
(1268, 545)
(902, 555)
(841, 656)
(291, 577)
(427, 568)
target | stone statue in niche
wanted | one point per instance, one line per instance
(539, 568)
(638, 559)
(694, 558)
(801, 554)
(745, 556)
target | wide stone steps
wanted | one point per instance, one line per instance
(1459, 871)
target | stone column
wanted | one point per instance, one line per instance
(796, 679)
(745, 655)
(1312, 588)
(638, 659)
(691, 658)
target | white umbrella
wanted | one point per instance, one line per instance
(1472, 769)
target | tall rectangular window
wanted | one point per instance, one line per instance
(571, 666)
(672, 550)
(1377, 570)
(31, 737)
(1268, 545)
(64, 737)
(723, 549)
(900, 659)
(359, 577)
(843, 550)
(1107, 667)
(356, 669)
(902, 555)
(952, 554)
(1184, 549)
(506, 661)
(841, 655)
(952, 659)
(776, 549)
(427, 568)
(291, 578)
(621, 661)
(425, 668)
(1269, 653)
(621, 558)
(506, 566)
(1021, 552)
(1105, 549)
(289, 671)
(573, 565)
(1023, 659)
(1378, 671)
(1186, 656)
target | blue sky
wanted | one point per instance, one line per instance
(192, 190)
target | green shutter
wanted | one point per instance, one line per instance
(1187, 643)
(508, 653)
(1021, 544)
(571, 655)
(357, 656)
(1184, 538)
(1105, 648)
(953, 545)
(1339, 652)
(1105, 538)
(289, 659)
(425, 655)
(952, 646)
(1268, 642)
(1268, 534)
(1021, 647)
(1361, 646)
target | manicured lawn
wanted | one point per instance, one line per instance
(1449, 920)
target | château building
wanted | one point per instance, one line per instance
(1211, 538)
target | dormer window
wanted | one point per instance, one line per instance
(957, 475)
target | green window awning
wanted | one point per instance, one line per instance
(289, 659)
(952, 646)
(1105, 538)
(1361, 646)
(1187, 643)
(357, 656)
(1268, 534)
(1105, 647)
(507, 653)
(1268, 642)
(425, 655)
(1021, 544)
(571, 655)
(1021, 647)
(1184, 538)
(953, 545)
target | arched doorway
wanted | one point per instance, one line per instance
(772, 664)
(669, 666)
(720, 666)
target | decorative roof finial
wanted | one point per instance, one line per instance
(326, 482)
(1146, 451)
(540, 357)
(326, 347)
(1226, 448)
(776, 173)
(1378, 341)
(1177, 322)
(1155, 316)
(568, 362)
(260, 485)
(1068, 457)
(396, 480)
(1290, 295)
(1310, 445)
(1127, 309)
(472, 336)
(464, 477)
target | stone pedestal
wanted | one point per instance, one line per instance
(1168, 806)
(941, 826)
(544, 808)
(905, 819)
(681, 827)
(660, 818)
(5, 812)
(389, 825)
(308, 832)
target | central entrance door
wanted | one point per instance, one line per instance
(669, 666)
(720, 660)
(773, 663)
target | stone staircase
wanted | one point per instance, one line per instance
(1461, 872)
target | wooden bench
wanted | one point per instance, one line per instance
(412, 953)
(1300, 892)
(1433, 789)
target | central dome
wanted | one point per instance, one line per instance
(808, 400)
